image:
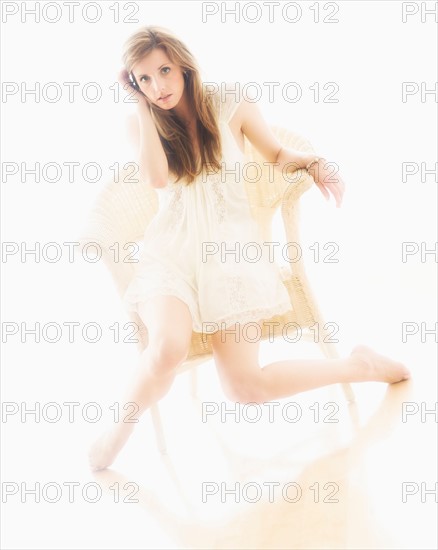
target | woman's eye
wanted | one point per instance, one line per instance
(146, 78)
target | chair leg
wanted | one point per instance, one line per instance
(158, 427)
(194, 382)
(331, 352)
(348, 392)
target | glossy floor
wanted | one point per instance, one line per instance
(309, 472)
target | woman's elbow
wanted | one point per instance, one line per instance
(152, 180)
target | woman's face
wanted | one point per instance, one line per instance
(158, 77)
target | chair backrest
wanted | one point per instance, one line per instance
(124, 208)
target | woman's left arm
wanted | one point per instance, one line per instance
(255, 128)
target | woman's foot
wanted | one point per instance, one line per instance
(105, 449)
(375, 367)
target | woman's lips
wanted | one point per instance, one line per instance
(165, 98)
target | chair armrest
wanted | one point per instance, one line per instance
(302, 181)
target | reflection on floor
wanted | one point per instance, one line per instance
(310, 472)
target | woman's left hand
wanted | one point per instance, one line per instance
(327, 180)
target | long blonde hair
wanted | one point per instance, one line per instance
(173, 133)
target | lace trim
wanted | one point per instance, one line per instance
(143, 284)
(132, 300)
(175, 206)
(164, 290)
(252, 315)
(219, 200)
(236, 297)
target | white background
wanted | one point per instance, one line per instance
(369, 133)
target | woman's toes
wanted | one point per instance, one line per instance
(378, 367)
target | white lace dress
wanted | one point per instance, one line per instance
(198, 246)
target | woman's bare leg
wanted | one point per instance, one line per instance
(169, 325)
(245, 381)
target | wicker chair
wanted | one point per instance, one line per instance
(124, 208)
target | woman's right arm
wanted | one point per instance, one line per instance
(152, 161)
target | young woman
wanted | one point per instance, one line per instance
(189, 137)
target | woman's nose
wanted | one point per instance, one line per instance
(157, 86)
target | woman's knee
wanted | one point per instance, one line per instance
(166, 352)
(245, 391)
(239, 371)
(169, 325)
